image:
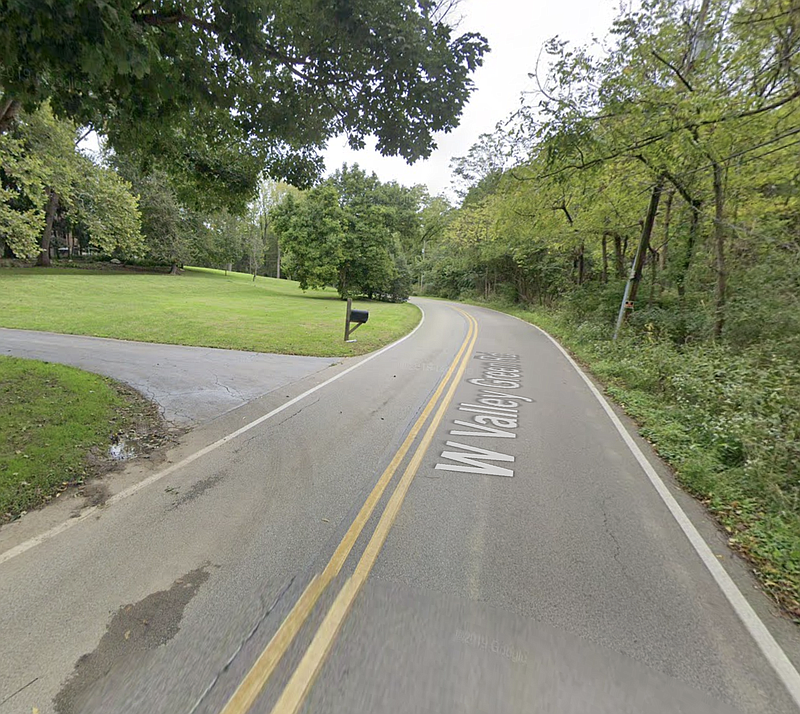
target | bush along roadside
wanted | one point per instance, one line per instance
(60, 426)
(726, 420)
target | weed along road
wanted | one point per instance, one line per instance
(457, 523)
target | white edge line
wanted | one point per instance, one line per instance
(768, 645)
(117, 497)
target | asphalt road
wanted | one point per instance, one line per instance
(455, 524)
(191, 385)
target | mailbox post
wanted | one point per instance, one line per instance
(353, 320)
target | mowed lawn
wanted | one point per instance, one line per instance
(200, 307)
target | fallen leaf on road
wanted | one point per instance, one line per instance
(127, 634)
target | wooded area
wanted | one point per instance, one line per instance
(683, 128)
(663, 161)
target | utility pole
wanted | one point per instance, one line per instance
(422, 266)
(635, 277)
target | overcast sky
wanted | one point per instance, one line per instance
(516, 30)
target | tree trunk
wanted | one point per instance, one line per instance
(662, 260)
(632, 286)
(605, 258)
(691, 240)
(581, 263)
(644, 243)
(9, 108)
(50, 214)
(654, 259)
(278, 266)
(719, 250)
(619, 257)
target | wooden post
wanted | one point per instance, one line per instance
(347, 319)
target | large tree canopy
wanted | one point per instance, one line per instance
(218, 89)
(349, 232)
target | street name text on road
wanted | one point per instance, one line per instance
(495, 413)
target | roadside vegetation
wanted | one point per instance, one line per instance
(201, 307)
(167, 188)
(727, 421)
(660, 163)
(57, 425)
(663, 161)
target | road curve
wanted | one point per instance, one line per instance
(456, 525)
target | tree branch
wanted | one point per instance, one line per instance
(674, 69)
(665, 174)
(84, 135)
(648, 141)
(178, 17)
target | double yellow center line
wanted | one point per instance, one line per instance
(295, 691)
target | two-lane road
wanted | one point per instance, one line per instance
(455, 524)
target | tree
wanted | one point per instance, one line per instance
(22, 196)
(378, 217)
(165, 222)
(240, 85)
(348, 232)
(311, 230)
(269, 194)
(107, 211)
(39, 170)
(693, 105)
(43, 176)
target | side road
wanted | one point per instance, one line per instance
(191, 385)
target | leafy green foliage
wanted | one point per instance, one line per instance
(728, 421)
(699, 105)
(310, 229)
(164, 220)
(22, 179)
(108, 211)
(349, 232)
(217, 91)
(39, 158)
(36, 158)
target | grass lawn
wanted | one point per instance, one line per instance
(201, 307)
(56, 425)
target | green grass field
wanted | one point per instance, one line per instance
(52, 418)
(201, 307)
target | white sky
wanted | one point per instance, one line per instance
(516, 30)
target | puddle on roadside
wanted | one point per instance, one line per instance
(120, 451)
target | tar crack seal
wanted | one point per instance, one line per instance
(133, 632)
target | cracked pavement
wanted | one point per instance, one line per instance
(191, 385)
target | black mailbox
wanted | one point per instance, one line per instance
(353, 320)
